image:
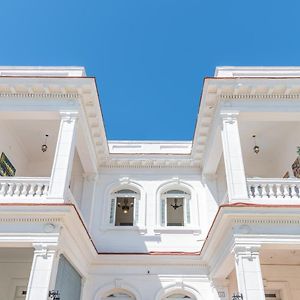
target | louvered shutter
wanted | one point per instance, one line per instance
(163, 212)
(187, 212)
(136, 211)
(112, 212)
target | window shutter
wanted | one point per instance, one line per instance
(136, 211)
(112, 211)
(187, 211)
(163, 212)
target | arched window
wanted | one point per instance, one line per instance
(119, 296)
(179, 296)
(175, 208)
(124, 208)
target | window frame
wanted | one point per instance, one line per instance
(178, 193)
(130, 193)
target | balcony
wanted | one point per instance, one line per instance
(269, 175)
(274, 190)
(24, 189)
(31, 175)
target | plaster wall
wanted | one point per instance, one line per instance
(12, 274)
(221, 181)
(162, 279)
(76, 183)
(283, 278)
(278, 143)
(149, 235)
(13, 150)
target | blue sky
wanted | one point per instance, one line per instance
(150, 56)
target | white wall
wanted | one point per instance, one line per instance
(278, 143)
(136, 280)
(15, 266)
(149, 235)
(221, 181)
(13, 150)
(76, 184)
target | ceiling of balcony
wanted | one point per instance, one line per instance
(278, 143)
(30, 135)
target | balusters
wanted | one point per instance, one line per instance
(31, 191)
(39, 188)
(23, 188)
(264, 192)
(256, 190)
(293, 190)
(11, 189)
(272, 190)
(3, 188)
(18, 189)
(278, 190)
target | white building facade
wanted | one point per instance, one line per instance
(82, 217)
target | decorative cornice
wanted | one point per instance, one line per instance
(30, 220)
(287, 221)
(258, 96)
(40, 96)
(150, 163)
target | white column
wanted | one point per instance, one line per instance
(248, 272)
(43, 269)
(63, 160)
(234, 165)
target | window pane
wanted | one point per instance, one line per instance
(125, 192)
(124, 211)
(175, 214)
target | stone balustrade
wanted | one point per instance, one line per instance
(24, 187)
(264, 188)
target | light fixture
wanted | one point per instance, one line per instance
(255, 148)
(175, 205)
(237, 296)
(126, 206)
(44, 146)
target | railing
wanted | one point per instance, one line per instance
(288, 188)
(24, 187)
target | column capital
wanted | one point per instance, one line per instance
(44, 249)
(69, 115)
(246, 250)
(229, 116)
(90, 176)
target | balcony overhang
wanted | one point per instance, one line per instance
(238, 93)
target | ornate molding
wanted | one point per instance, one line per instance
(30, 220)
(150, 163)
(40, 96)
(265, 220)
(258, 96)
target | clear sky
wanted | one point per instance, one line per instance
(150, 56)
